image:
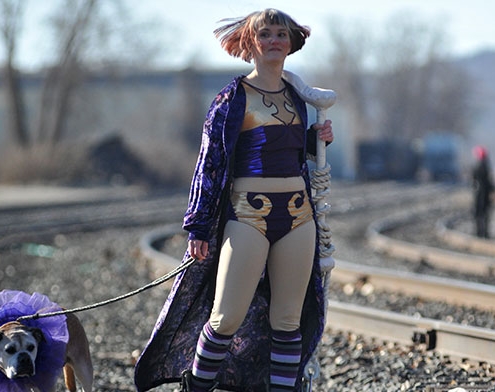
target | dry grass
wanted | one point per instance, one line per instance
(41, 164)
(70, 164)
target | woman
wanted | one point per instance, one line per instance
(248, 315)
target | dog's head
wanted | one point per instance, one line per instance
(18, 349)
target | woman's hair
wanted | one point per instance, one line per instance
(237, 37)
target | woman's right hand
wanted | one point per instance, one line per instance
(197, 249)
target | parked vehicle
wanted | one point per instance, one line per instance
(386, 159)
(435, 157)
(440, 156)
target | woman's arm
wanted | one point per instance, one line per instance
(212, 168)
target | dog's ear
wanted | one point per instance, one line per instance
(38, 334)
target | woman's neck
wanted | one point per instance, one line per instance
(266, 78)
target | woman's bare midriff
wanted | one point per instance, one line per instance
(271, 184)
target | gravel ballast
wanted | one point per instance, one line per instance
(82, 268)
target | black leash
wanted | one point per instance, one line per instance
(156, 282)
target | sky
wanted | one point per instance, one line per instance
(189, 24)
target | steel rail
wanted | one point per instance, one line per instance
(21, 223)
(457, 239)
(441, 258)
(455, 340)
(451, 291)
(359, 197)
(160, 261)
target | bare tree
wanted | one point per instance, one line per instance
(10, 25)
(399, 84)
(88, 35)
(410, 74)
(449, 105)
(351, 51)
(71, 24)
(92, 35)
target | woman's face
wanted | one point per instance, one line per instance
(272, 43)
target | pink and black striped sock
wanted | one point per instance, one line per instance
(285, 358)
(211, 350)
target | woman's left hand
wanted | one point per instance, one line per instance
(325, 132)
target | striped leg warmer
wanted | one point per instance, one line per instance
(210, 351)
(285, 358)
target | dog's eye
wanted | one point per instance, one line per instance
(30, 347)
(10, 350)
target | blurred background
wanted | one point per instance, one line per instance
(115, 92)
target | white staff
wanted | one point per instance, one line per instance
(321, 100)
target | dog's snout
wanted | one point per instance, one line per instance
(25, 366)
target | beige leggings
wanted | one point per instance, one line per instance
(244, 255)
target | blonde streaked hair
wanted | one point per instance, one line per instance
(237, 37)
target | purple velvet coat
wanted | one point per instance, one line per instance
(172, 345)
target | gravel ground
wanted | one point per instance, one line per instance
(83, 268)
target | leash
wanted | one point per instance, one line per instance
(156, 282)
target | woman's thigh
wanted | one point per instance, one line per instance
(290, 264)
(241, 264)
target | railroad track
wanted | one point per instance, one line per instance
(22, 223)
(352, 206)
(442, 258)
(457, 341)
(445, 230)
(346, 199)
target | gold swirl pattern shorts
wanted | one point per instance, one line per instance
(273, 214)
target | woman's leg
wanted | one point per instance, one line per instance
(289, 267)
(242, 261)
(210, 352)
(241, 264)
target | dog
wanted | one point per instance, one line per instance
(19, 347)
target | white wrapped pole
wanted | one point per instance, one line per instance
(321, 100)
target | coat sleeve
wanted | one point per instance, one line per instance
(211, 172)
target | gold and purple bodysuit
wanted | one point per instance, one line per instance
(270, 144)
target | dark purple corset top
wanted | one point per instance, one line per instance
(270, 151)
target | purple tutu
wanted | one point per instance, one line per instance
(51, 353)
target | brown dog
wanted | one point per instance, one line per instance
(19, 346)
